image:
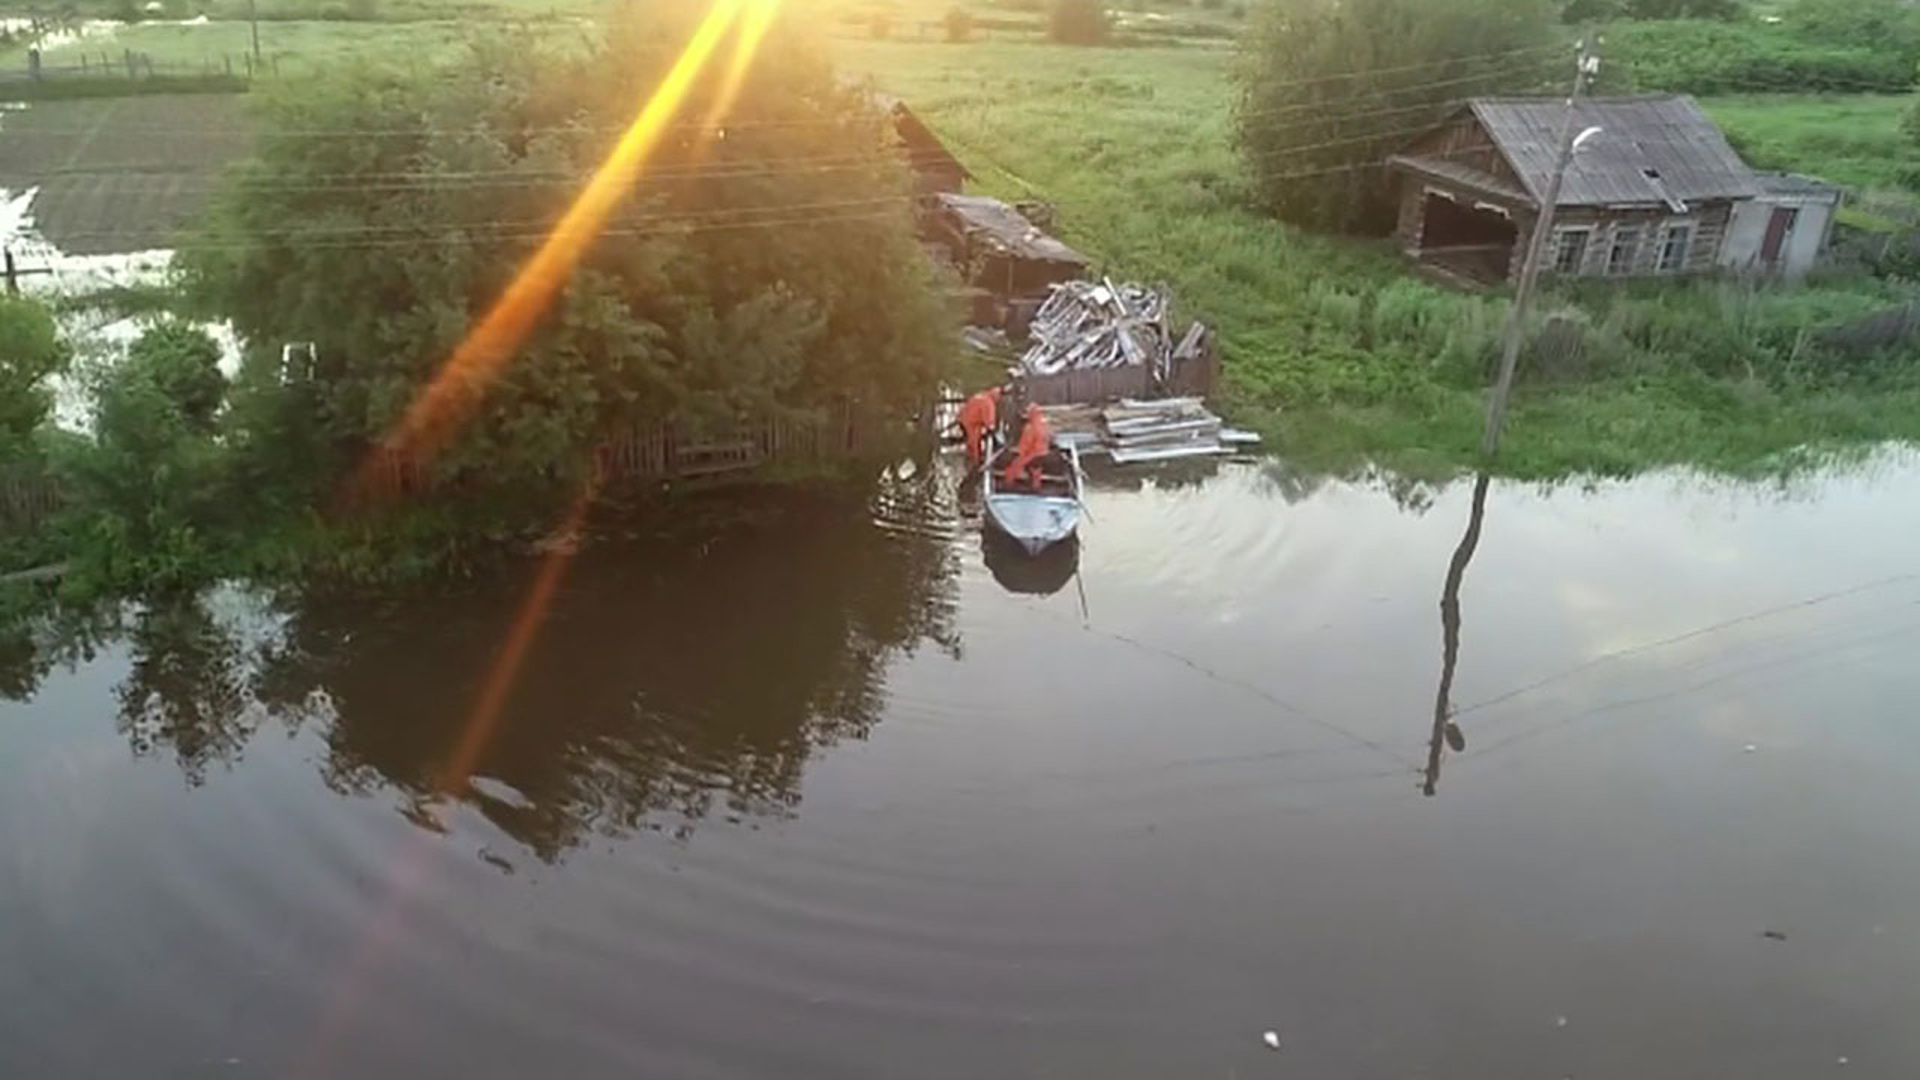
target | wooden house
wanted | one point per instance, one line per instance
(1654, 192)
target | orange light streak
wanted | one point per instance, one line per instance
(746, 43)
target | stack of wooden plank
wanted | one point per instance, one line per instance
(1160, 430)
(1088, 325)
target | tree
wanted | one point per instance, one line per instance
(148, 487)
(765, 266)
(959, 24)
(1329, 88)
(1880, 25)
(184, 364)
(30, 352)
(1079, 22)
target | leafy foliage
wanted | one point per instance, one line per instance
(1846, 46)
(1584, 11)
(1329, 88)
(30, 352)
(149, 486)
(1078, 22)
(740, 277)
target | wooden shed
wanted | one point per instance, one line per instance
(934, 167)
(999, 250)
(1652, 193)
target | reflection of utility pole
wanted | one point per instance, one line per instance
(1586, 65)
(253, 16)
(1444, 729)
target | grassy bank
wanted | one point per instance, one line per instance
(1332, 350)
(1852, 139)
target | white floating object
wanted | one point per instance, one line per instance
(1559, 1021)
(1272, 1039)
(1748, 749)
(1843, 1059)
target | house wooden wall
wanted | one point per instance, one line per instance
(1707, 220)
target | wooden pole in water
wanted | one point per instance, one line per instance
(253, 17)
(1570, 139)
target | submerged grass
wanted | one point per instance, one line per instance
(1332, 350)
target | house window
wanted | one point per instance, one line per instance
(1626, 245)
(1571, 254)
(1673, 251)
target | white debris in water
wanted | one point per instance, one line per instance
(1559, 1021)
(1272, 1039)
(500, 791)
(1748, 749)
(1842, 1059)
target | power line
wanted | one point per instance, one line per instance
(1634, 650)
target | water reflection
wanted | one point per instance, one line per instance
(1447, 734)
(1017, 571)
(672, 679)
(187, 691)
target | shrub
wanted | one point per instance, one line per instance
(1708, 57)
(30, 352)
(1079, 22)
(959, 24)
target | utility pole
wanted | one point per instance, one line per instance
(253, 17)
(1570, 140)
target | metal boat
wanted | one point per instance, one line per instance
(1034, 519)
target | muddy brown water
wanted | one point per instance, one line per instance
(851, 794)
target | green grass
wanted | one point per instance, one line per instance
(1332, 350)
(296, 47)
(1852, 139)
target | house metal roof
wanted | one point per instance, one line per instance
(1003, 226)
(1649, 150)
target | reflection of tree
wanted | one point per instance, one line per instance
(39, 632)
(187, 689)
(1445, 731)
(670, 679)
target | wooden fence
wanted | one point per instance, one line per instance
(677, 452)
(98, 64)
(27, 498)
(1192, 377)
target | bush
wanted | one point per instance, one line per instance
(30, 352)
(704, 304)
(959, 24)
(1079, 22)
(183, 364)
(1315, 127)
(1708, 57)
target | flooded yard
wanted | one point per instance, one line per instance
(846, 791)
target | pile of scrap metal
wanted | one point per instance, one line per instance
(1090, 325)
(1134, 431)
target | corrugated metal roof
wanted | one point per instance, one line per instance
(1003, 226)
(1650, 150)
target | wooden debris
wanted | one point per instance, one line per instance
(1162, 430)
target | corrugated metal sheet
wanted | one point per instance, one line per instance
(1650, 150)
(1002, 226)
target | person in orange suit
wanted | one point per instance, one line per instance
(1036, 439)
(977, 417)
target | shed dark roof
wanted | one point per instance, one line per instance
(1002, 226)
(1650, 150)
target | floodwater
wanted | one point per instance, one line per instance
(832, 795)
